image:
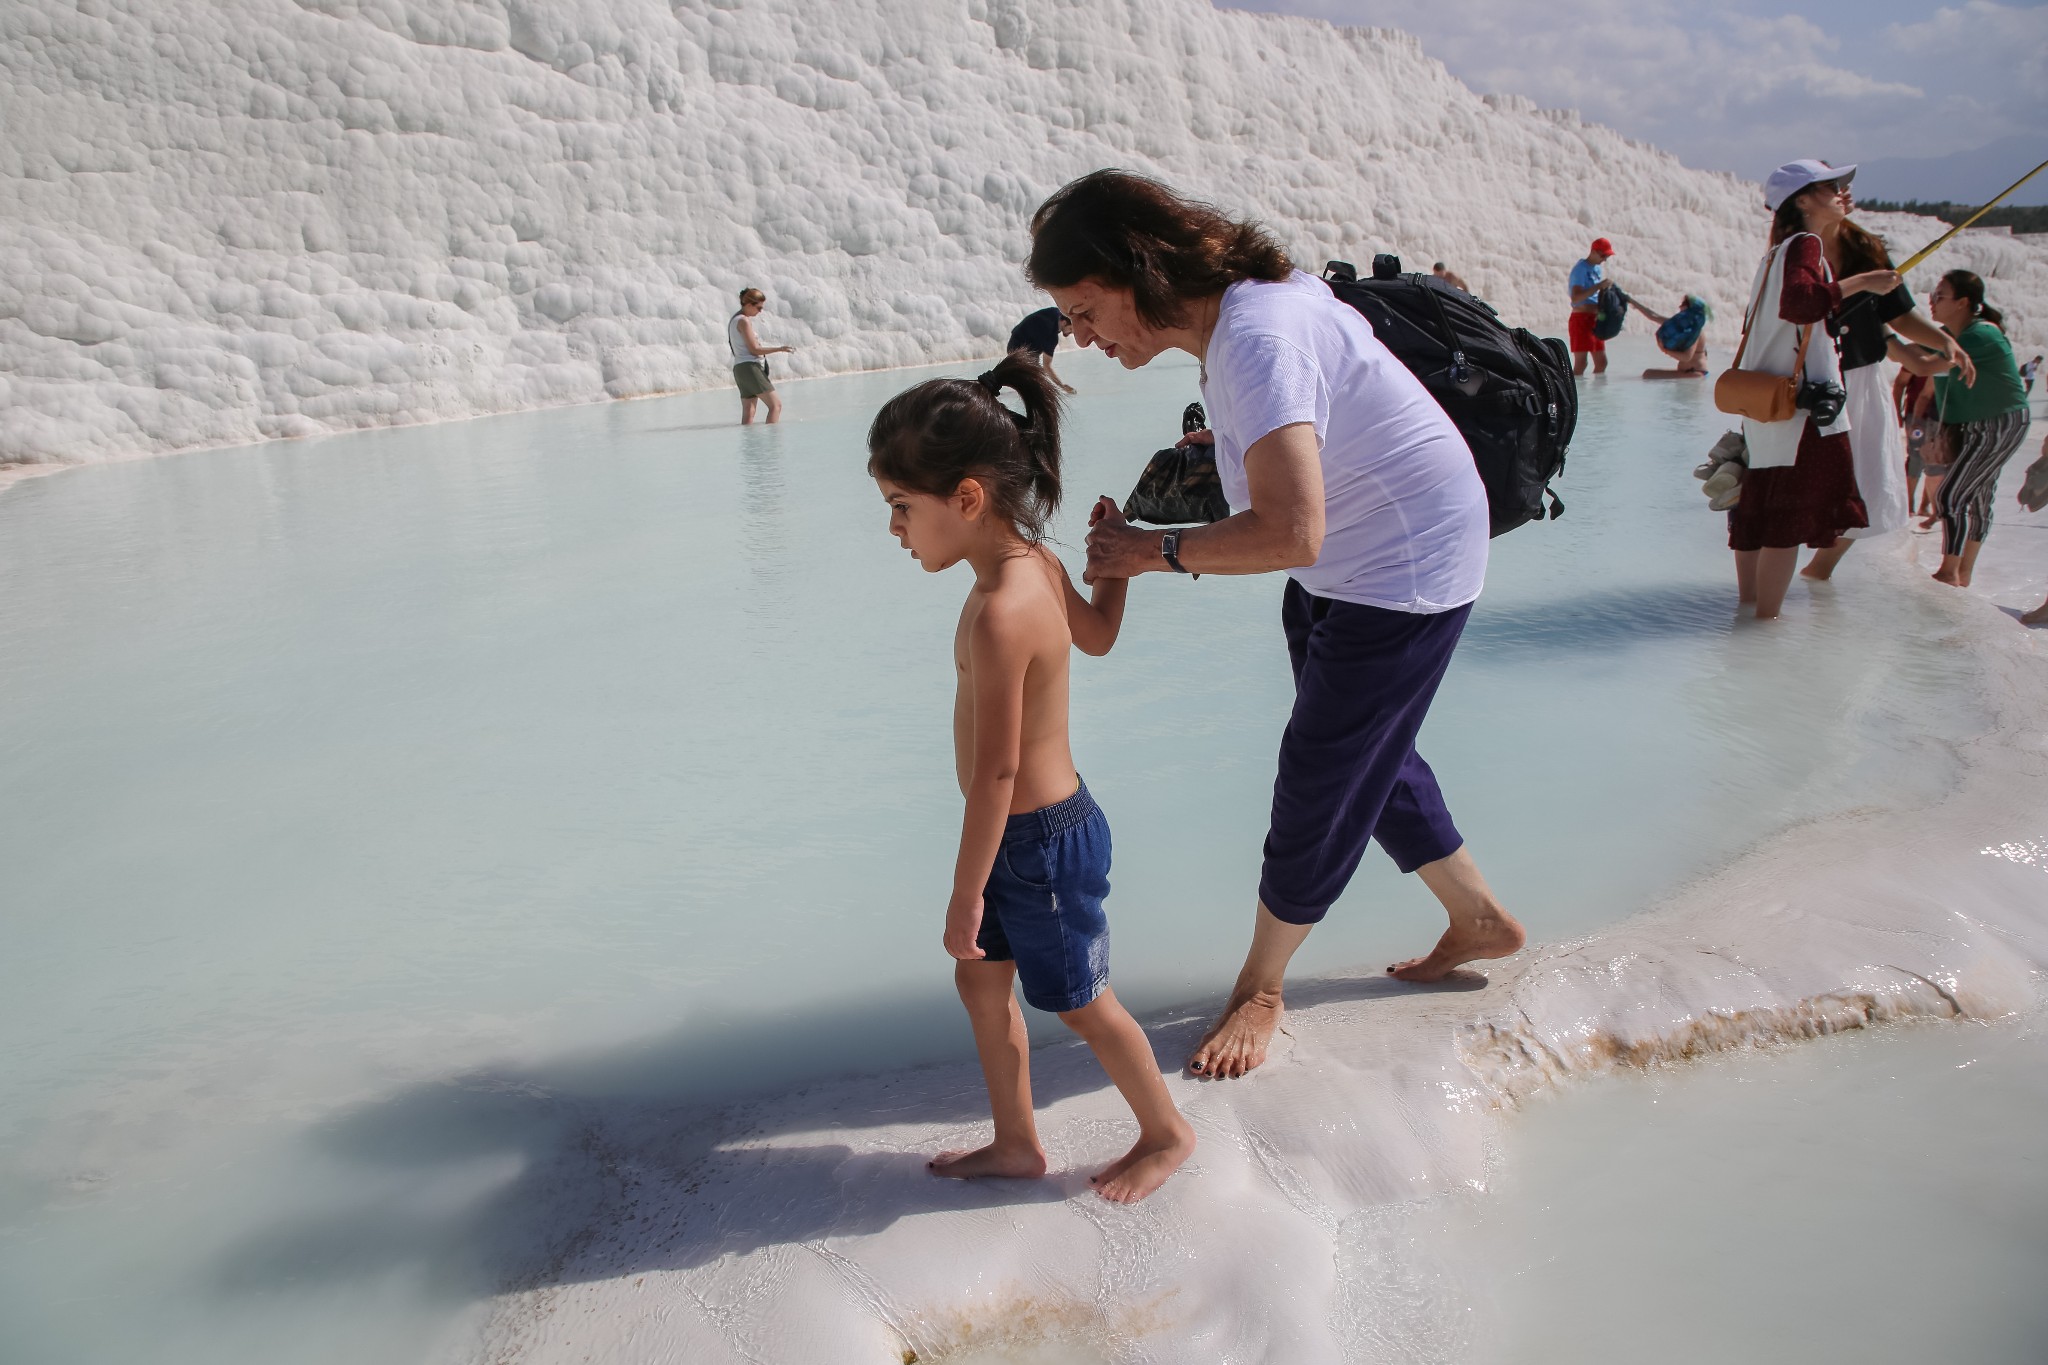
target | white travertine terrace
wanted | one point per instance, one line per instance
(240, 219)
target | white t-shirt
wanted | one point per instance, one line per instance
(1405, 519)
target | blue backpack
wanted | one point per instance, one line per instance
(1679, 331)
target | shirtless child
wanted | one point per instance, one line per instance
(967, 480)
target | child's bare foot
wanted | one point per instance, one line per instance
(2037, 617)
(1238, 1042)
(1145, 1167)
(1014, 1163)
(1494, 935)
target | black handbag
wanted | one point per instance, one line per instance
(1180, 486)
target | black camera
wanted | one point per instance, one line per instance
(1386, 266)
(1823, 398)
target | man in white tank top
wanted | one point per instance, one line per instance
(750, 358)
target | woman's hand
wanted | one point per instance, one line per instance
(1204, 437)
(1117, 549)
(1871, 282)
(1959, 359)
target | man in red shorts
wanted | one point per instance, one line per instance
(1587, 280)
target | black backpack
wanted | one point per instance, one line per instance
(1509, 392)
(1612, 314)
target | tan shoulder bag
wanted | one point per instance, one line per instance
(1755, 394)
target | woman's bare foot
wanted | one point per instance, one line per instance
(1014, 1163)
(1494, 935)
(1238, 1042)
(1952, 577)
(1145, 1167)
(2037, 617)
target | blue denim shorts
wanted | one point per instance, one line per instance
(1042, 907)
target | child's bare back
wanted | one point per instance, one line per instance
(1023, 612)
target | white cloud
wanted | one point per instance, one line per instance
(1740, 91)
(1995, 49)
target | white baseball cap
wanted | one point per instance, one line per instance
(1795, 176)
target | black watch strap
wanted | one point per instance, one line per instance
(1169, 549)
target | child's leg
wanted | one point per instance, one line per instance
(1005, 1050)
(1164, 1138)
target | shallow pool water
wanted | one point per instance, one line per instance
(1881, 1197)
(615, 739)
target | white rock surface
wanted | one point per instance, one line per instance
(240, 219)
(804, 1228)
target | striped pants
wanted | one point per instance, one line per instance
(1980, 452)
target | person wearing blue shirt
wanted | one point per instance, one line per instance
(1588, 278)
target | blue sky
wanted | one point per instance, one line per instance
(1738, 86)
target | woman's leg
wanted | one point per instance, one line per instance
(1994, 443)
(1480, 926)
(1238, 1041)
(1745, 576)
(1823, 563)
(1364, 679)
(1774, 567)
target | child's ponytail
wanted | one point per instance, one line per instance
(930, 437)
(1040, 428)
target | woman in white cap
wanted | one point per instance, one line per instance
(1801, 484)
(1862, 327)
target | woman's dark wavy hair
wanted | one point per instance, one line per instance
(1131, 232)
(930, 437)
(1861, 249)
(1965, 284)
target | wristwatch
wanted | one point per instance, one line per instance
(1169, 549)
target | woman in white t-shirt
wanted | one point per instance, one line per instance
(1342, 471)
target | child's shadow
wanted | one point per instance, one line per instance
(648, 1158)
(672, 1154)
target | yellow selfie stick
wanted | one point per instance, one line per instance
(1924, 252)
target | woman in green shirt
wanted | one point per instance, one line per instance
(1986, 421)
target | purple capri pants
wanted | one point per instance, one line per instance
(1349, 773)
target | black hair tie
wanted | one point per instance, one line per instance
(988, 380)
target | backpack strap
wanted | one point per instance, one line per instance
(1749, 314)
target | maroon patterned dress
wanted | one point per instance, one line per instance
(1814, 499)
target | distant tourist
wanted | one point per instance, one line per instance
(2034, 497)
(2027, 373)
(1350, 477)
(1588, 278)
(1039, 336)
(1865, 326)
(1448, 277)
(1984, 422)
(750, 358)
(1682, 336)
(967, 483)
(1800, 488)
(1913, 402)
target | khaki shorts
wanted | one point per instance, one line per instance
(752, 378)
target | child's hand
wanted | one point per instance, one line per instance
(1105, 509)
(963, 926)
